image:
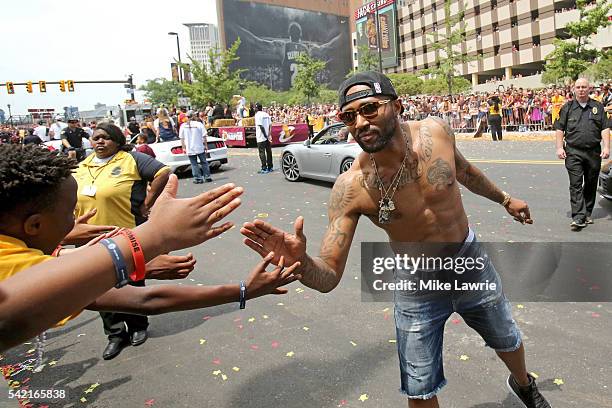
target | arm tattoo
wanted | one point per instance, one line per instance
(426, 144)
(478, 183)
(342, 194)
(440, 174)
(317, 272)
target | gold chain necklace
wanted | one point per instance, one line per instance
(386, 204)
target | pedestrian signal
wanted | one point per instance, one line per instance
(70, 84)
(62, 85)
(42, 86)
(29, 86)
(10, 88)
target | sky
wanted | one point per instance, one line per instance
(82, 40)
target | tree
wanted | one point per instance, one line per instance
(161, 91)
(574, 56)
(306, 78)
(216, 82)
(447, 44)
(602, 69)
(406, 84)
(439, 86)
(367, 60)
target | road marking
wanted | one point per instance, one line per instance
(471, 160)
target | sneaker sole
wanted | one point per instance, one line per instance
(519, 400)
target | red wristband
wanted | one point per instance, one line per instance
(139, 261)
(56, 251)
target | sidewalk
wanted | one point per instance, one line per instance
(543, 136)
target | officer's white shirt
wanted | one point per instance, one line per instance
(41, 131)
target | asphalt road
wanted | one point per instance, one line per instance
(307, 349)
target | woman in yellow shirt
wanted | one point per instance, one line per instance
(557, 102)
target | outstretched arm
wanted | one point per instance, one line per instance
(258, 44)
(476, 181)
(324, 272)
(160, 299)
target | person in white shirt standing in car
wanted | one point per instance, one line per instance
(193, 140)
(55, 130)
(41, 131)
(263, 130)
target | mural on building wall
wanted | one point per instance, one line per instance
(272, 37)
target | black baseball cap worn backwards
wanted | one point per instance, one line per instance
(378, 83)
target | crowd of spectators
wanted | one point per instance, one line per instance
(523, 109)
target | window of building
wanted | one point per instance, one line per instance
(412, 35)
(496, 50)
(495, 27)
(354, 42)
(355, 56)
(535, 14)
(515, 46)
(477, 10)
(493, 4)
(411, 17)
(424, 49)
(514, 21)
(413, 52)
(433, 7)
(535, 40)
(426, 66)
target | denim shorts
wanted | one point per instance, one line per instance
(420, 316)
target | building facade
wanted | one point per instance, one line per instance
(508, 39)
(202, 38)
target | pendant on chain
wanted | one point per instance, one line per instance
(385, 207)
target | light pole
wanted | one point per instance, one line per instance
(178, 47)
(10, 114)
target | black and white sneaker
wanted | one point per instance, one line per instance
(577, 225)
(589, 220)
(528, 395)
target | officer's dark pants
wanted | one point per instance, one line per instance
(495, 125)
(114, 323)
(265, 154)
(583, 169)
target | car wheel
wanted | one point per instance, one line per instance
(346, 164)
(291, 170)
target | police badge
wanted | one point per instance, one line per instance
(594, 110)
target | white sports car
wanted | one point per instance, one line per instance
(324, 157)
(171, 154)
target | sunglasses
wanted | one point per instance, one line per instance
(368, 110)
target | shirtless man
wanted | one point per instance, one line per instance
(406, 183)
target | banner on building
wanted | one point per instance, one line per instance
(273, 37)
(368, 32)
(174, 68)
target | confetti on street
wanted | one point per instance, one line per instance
(353, 344)
(305, 328)
(520, 306)
(363, 397)
(236, 369)
(290, 354)
(558, 381)
(202, 341)
(534, 375)
(149, 403)
(464, 357)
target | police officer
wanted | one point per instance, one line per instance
(72, 139)
(581, 126)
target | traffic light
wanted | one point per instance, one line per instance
(29, 86)
(42, 86)
(62, 85)
(10, 88)
(70, 84)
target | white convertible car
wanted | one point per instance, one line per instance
(324, 157)
(171, 154)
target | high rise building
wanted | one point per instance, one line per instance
(509, 39)
(202, 38)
